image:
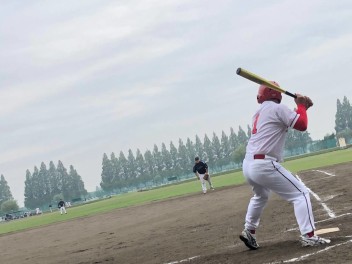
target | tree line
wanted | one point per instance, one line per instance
(160, 165)
(46, 185)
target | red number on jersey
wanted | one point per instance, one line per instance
(254, 130)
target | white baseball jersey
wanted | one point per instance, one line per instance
(270, 125)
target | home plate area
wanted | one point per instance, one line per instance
(331, 195)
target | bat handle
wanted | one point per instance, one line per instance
(291, 94)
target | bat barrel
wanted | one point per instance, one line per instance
(261, 81)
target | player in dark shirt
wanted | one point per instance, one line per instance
(61, 206)
(201, 171)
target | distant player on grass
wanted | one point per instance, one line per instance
(263, 171)
(201, 171)
(61, 206)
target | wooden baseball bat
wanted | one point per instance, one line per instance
(259, 80)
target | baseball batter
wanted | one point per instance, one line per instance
(262, 169)
(201, 171)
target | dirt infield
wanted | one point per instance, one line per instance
(196, 229)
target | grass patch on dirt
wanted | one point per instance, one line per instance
(138, 198)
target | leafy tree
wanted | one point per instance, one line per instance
(199, 148)
(216, 148)
(249, 132)
(5, 193)
(124, 169)
(36, 187)
(63, 180)
(9, 206)
(233, 140)
(225, 149)
(107, 175)
(239, 154)
(175, 167)
(343, 119)
(347, 112)
(158, 161)
(141, 171)
(150, 166)
(191, 153)
(28, 191)
(208, 150)
(242, 136)
(183, 157)
(77, 189)
(167, 161)
(117, 182)
(340, 122)
(131, 168)
(53, 180)
(43, 184)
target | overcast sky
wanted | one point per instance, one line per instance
(80, 78)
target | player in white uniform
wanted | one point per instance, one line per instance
(263, 171)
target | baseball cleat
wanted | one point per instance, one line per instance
(313, 241)
(249, 240)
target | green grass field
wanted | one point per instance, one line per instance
(138, 198)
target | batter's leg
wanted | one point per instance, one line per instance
(256, 206)
(291, 189)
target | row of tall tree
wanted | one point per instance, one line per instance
(157, 166)
(343, 119)
(46, 185)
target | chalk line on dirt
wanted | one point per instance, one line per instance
(325, 220)
(321, 221)
(311, 254)
(316, 196)
(325, 172)
(183, 260)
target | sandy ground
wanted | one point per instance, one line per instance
(195, 229)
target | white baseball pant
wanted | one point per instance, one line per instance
(203, 182)
(265, 175)
(62, 210)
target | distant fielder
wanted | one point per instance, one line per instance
(263, 171)
(61, 206)
(201, 170)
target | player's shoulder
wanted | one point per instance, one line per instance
(277, 107)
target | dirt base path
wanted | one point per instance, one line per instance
(195, 229)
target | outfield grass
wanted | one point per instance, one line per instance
(138, 198)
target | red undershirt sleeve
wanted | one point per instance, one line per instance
(302, 122)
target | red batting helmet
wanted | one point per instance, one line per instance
(265, 93)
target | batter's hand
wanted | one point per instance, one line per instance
(304, 100)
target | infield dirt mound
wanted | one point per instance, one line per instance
(201, 226)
